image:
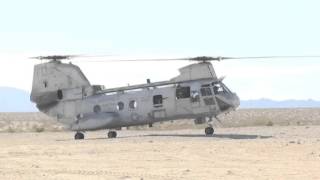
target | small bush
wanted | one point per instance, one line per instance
(269, 123)
(38, 129)
(11, 129)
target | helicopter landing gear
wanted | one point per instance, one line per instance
(209, 131)
(112, 134)
(79, 136)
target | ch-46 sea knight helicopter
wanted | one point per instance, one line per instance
(62, 91)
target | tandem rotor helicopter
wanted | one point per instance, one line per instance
(62, 91)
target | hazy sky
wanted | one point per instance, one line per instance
(167, 28)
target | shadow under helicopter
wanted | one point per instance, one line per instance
(221, 136)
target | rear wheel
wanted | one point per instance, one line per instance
(209, 131)
(112, 134)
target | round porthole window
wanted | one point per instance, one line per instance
(132, 104)
(96, 109)
(120, 106)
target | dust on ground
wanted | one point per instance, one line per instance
(278, 152)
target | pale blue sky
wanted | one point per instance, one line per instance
(169, 28)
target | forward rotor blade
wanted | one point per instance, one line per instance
(67, 57)
(55, 57)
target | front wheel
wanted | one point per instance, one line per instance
(78, 136)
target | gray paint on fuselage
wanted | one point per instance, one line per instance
(62, 91)
(172, 108)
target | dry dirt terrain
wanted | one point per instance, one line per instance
(38, 122)
(270, 152)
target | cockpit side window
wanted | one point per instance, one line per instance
(183, 92)
(206, 90)
(218, 88)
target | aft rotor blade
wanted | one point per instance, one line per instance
(269, 57)
(204, 58)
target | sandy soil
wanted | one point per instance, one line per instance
(38, 122)
(291, 152)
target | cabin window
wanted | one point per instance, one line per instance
(96, 109)
(183, 92)
(157, 100)
(59, 94)
(133, 104)
(120, 106)
(206, 91)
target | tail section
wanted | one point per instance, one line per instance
(52, 81)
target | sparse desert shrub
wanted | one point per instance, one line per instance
(56, 128)
(11, 129)
(37, 128)
(38, 122)
(269, 123)
(2, 124)
(259, 121)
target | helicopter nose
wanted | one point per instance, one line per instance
(228, 102)
(236, 101)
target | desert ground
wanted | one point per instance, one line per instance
(274, 148)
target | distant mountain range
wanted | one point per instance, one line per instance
(268, 103)
(17, 100)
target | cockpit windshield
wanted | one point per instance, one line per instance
(219, 87)
(214, 88)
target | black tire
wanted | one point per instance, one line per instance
(112, 134)
(78, 136)
(209, 131)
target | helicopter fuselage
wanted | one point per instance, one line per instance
(149, 105)
(62, 91)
